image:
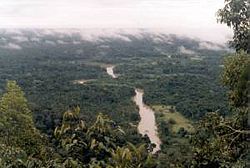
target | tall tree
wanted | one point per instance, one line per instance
(236, 14)
(236, 77)
(17, 128)
(218, 141)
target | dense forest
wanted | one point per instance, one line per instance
(59, 107)
(170, 76)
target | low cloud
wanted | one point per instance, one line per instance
(184, 50)
(50, 42)
(188, 17)
(35, 39)
(61, 42)
(20, 38)
(11, 46)
(210, 46)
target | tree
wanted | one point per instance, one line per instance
(219, 141)
(236, 14)
(17, 128)
(131, 156)
(236, 77)
(99, 145)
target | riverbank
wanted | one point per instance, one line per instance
(147, 124)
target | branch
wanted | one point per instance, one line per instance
(235, 130)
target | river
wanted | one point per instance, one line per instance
(147, 125)
(110, 71)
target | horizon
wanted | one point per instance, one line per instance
(93, 33)
(193, 18)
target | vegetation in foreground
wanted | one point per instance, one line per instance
(74, 143)
(217, 141)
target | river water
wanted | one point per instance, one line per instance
(110, 71)
(147, 125)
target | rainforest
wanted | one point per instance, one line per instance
(129, 98)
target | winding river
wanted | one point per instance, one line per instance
(147, 125)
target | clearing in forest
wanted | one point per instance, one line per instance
(177, 120)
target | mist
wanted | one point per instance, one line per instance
(195, 18)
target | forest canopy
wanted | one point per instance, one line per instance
(49, 119)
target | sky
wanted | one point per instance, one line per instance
(188, 17)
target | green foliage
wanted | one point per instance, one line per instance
(11, 156)
(175, 148)
(16, 123)
(47, 74)
(236, 77)
(168, 77)
(79, 146)
(14, 99)
(220, 142)
(77, 140)
(132, 157)
(236, 14)
(99, 145)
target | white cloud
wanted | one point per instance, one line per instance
(11, 46)
(61, 42)
(20, 38)
(50, 42)
(189, 17)
(3, 39)
(210, 46)
(35, 39)
(184, 50)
